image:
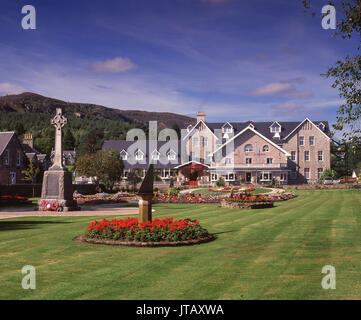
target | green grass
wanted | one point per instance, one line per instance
(275, 253)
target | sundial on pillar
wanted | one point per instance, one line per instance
(59, 120)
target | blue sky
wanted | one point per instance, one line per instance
(236, 60)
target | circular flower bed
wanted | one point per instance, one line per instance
(232, 189)
(103, 198)
(159, 232)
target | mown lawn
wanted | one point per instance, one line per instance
(273, 253)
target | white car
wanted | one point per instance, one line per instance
(327, 180)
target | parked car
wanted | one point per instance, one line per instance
(327, 180)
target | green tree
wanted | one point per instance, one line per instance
(134, 178)
(31, 173)
(91, 142)
(69, 140)
(105, 166)
(19, 129)
(220, 182)
(346, 73)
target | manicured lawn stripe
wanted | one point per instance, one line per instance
(275, 253)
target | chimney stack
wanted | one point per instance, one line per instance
(28, 139)
(201, 116)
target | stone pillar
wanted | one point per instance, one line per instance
(145, 207)
(57, 182)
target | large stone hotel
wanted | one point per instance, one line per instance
(240, 152)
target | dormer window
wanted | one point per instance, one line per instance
(227, 128)
(123, 155)
(155, 155)
(321, 126)
(139, 155)
(189, 128)
(172, 155)
(275, 127)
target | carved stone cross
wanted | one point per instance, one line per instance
(59, 121)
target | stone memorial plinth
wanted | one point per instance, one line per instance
(145, 196)
(57, 189)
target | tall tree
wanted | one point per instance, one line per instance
(105, 166)
(69, 141)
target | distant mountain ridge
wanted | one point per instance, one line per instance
(35, 103)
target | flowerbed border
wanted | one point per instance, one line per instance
(83, 239)
(225, 204)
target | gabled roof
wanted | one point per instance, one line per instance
(264, 127)
(199, 122)
(256, 132)
(274, 123)
(5, 138)
(189, 162)
(228, 124)
(311, 123)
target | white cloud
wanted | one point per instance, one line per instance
(285, 88)
(113, 65)
(9, 88)
(272, 89)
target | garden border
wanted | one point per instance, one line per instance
(83, 239)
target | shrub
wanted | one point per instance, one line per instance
(220, 182)
(157, 230)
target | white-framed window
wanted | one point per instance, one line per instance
(155, 155)
(125, 174)
(248, 160)
(283, 176)
(276, 129)
(6, 157)
(320, 156)
(248, 148)
(319, 172)
(307, 173)
(269, 160)
(228, 160)
(195, 142)
(311, 140)
(18, 158)
(307, 156)
(227, 128)
(139, 155)
(230, 176)
(265, 148)
(214, 176)
(189, 128)
(165, 173)
(205, 141)
(123, 155)
(266, 176)
(293, 155)
(12, 177)
(302, 141)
